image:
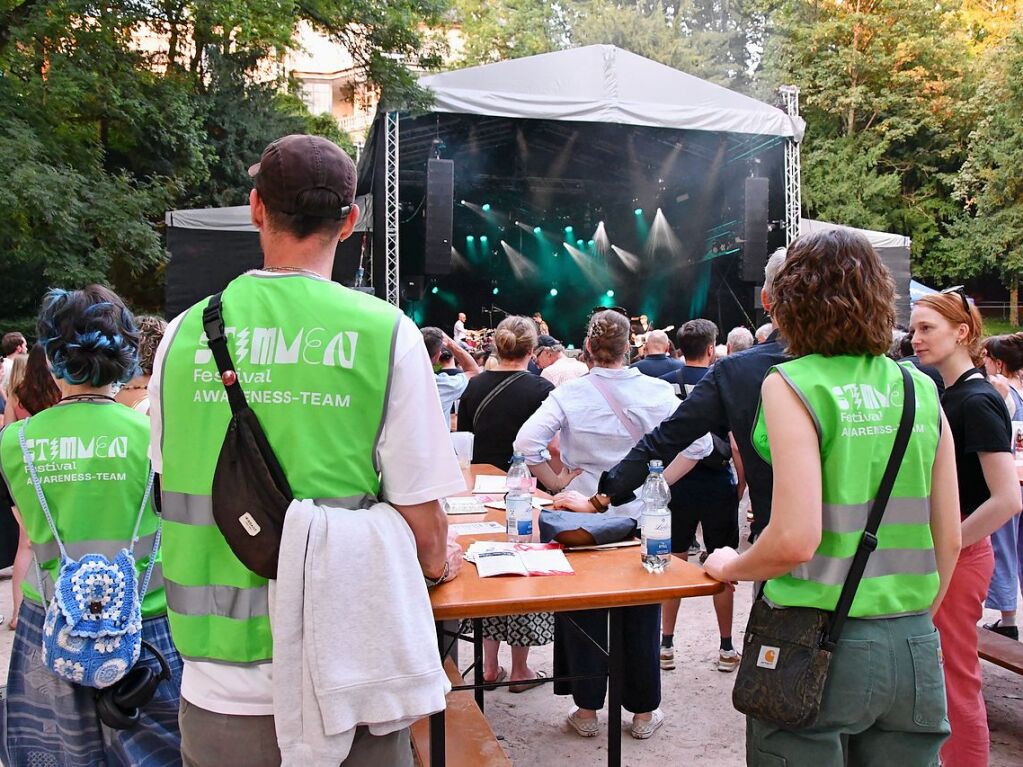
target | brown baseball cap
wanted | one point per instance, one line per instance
(293, 166)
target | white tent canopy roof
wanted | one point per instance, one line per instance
(238, 219)
(877, 239)
(602, 83)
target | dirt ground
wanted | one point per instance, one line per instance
(700, 728)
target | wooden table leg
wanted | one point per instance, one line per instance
(477, 660)
(437, 755)
(616, 677)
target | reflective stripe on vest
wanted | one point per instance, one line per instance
(855, 404)
(93, 464)
(314, 359)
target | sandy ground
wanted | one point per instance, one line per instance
(701, 727)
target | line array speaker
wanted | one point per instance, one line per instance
(754, 236)
(440, 192)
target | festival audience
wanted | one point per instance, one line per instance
(1003, 359)
(946, 334)
(834, 304)
(449, 387)
(98, 506)
(739, 340)
(593, 438)
(556, 366)
(494, 406)
(763, 332)
(656, 361)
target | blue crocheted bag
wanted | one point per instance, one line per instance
(92, 633)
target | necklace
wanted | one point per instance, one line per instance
(293, 270)
(143, 387)
(87, 398)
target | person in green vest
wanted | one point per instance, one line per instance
(343, 388)
(827, 425)
(91, 457)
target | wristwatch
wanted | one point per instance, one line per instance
(600, 502)
(431, 582)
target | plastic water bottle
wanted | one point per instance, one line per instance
(656, 520)
(518, 502)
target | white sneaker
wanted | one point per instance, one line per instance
(728, 660)
(667, 658)
(586, 728)
(644, 728)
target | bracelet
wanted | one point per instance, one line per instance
(598, 505)
(431, 582)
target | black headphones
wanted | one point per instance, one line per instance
(119, 705)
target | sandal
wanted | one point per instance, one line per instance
(529, 684)
(491, 685)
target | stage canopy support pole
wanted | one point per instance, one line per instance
(391, 276)
(793, 195)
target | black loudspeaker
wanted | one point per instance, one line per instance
(754, 234)
(412, 288)
(440, 193)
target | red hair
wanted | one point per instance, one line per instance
(950, 306)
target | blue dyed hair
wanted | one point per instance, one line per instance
(89, 336)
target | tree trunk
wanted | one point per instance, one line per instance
(1014, 302)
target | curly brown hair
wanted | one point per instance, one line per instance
(834, 296)
(151, 330)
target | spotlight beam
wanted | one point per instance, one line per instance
(521, 266)
(629, 260)
(587, 266)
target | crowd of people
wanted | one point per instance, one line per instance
(126, 438)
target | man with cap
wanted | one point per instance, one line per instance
(343, 389)
(554, 364)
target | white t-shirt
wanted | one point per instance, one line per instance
(459, 334)
(5, 373)
(564, 369)
(417, 464)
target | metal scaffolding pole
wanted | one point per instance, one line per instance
(793, 195)
(391, 276)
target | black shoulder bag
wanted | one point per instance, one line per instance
(787, 651)
(250, 491)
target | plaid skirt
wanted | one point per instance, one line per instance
(48, 722)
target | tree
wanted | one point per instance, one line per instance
(506, 29)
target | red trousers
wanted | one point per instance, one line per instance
(956, 621)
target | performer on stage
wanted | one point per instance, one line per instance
(459, 335)
(541, 326)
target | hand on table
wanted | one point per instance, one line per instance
(718, 562)
(454, 557)
(573, 501)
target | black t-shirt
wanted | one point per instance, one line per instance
(979, 423)
(688, 377)
(501, 420)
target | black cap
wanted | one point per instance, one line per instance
(295, 165)
(546, 341)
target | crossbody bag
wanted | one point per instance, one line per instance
(493, 393)
(787, 651)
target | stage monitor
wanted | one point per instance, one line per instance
(440, 192)
(754, 245)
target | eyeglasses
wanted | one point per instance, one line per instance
(961, 290)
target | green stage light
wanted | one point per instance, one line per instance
(579, 243)
(495, 291)
(638, 211)
(483, 238)
(591, 243)
(469, 238)
(537, 230)
(554, 292)
(610, 294)
(435, 290)
(568, 229)
(486, 207)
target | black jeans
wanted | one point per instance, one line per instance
(575, 655)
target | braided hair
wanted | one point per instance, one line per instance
(89, 336)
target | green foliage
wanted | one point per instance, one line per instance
(506, 29)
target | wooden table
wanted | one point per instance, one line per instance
(612, 579)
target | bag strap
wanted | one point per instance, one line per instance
(213, 324)
(492, 395)
(605, 391)
(869, 540)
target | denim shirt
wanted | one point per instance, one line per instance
(591, 436)
(726, 399)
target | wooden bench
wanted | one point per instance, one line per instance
(470, 741)
(1000, 650)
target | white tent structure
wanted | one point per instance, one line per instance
(602, 83)
(596, 84)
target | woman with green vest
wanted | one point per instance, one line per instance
(827, 425)
(91, 469)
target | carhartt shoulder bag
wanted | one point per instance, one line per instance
(787, 651)
(251, 494)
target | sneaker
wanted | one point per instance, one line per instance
(668, 658)
(1006, 631)
(644, 728)
(728, 660)
(585, 728)
(695, 548)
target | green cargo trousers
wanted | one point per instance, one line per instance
(884, 703)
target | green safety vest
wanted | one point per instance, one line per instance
(92, 460)
(314, 360)
(856, 404)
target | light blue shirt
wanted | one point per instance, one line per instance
(450, 388)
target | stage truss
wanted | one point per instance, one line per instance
(793, 194)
